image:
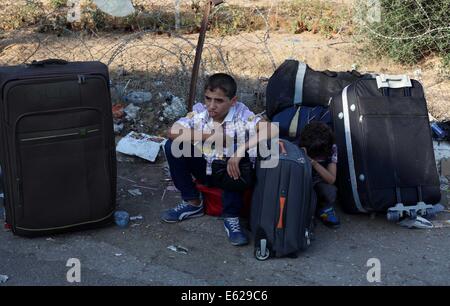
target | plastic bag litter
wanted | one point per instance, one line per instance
(3, 279)
(418, 222)
(135, 192)
(441, 150)
(132, 111)
(116, 8)
(141, 145)
(136, 218)
(178, 249)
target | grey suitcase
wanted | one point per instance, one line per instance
(283, 205)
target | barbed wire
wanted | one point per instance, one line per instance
(159, 59)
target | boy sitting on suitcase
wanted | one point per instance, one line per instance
(318, 140)
(201, 125)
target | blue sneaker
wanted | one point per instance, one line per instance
(234, 232)
(182, 211)
(329, 218)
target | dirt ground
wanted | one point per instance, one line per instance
(139, 255)
(159, 63)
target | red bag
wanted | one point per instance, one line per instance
(212, 199)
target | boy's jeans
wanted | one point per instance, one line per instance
(182, 169)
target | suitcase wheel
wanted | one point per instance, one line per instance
(262, 252)
(393, 216)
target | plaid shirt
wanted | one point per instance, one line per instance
(239, 124)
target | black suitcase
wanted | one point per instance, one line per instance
(283, 205)
(385, 154)
(295, 83)
(57, 146)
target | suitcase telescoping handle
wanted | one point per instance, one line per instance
(50, 61)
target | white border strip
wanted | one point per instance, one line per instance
(301, 71)
(348, 141)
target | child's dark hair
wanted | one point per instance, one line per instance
(223, 81)
(318, 139)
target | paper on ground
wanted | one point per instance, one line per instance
(141, 145)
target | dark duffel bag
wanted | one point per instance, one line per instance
(283, 205)
(295, 83)
(292, 120)
(57, 146)
(386, 153)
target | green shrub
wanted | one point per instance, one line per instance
(57, 4)
(409, 30)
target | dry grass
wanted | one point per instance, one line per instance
(161, 63)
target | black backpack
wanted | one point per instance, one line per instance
(295, 83)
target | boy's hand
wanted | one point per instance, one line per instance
(233, 167)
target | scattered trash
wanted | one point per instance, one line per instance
(116, 8)
(141, 145)
(50, 239)
(118, 128)
(178, 249)
(3, 279)
(138, 97)
(168, 188)
(441, 151)
(418, 73)
(445, 167)
(441, 223)
(438, 133)
(135, 192)
(158, 83)
(417, 222)
(121, 72)
(118, 254)
(131, 111)
(174, 107)
(122, 218)
(444, 183)
(438, 208)
(135, 218)
(118, 111)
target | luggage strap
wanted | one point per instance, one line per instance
(348, 142)
(301, 71)
(294, 124)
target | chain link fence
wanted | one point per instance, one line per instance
(153, 50)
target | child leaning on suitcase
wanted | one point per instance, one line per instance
(318, 140)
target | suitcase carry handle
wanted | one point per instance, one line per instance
(50, 61)
(393, 81)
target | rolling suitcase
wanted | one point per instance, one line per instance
(386, 155)
(283, 205)
(57, 146)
